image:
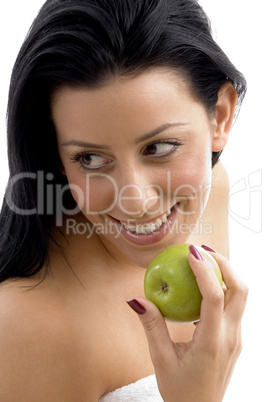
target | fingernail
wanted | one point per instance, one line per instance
(195, 323)
(208, 248)
(136, 306)
(195, 252)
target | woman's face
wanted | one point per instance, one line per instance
(137, 155)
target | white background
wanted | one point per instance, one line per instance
(239, 27)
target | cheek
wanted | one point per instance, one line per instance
(191, 176)
(191, 183)
(193, 169)
(94, 192)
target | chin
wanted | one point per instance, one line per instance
(143, 256)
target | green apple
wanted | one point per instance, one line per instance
(171, 284)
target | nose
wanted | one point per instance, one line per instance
(138, 195)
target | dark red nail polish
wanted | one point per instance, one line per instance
(136, 306)
(195, 252)
(208, 248)
(195, 323)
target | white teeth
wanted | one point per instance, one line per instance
(158, 223)
(164, 218)
(147, 228)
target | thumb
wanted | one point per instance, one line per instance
(160, 344)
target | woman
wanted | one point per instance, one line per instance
(118, 113)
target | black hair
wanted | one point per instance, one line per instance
(85, 43)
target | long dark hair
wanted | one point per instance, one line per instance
(85, 43)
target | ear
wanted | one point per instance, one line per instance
(224, 115)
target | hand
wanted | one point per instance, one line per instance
(199, 370)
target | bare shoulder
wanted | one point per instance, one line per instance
(213, 227)
(40, 354)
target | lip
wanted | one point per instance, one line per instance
(150, 238)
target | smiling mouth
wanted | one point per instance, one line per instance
(147, 233)
(146, 228)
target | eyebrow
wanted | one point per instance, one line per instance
(144, 137)
(84, 144)
(158, 131)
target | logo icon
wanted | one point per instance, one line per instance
(245, 201)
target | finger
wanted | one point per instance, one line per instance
(236, 293)
(213, 296)
(160, 344)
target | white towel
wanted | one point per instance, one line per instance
(144, 390)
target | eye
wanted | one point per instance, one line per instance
(160, 149)
(90, 161)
